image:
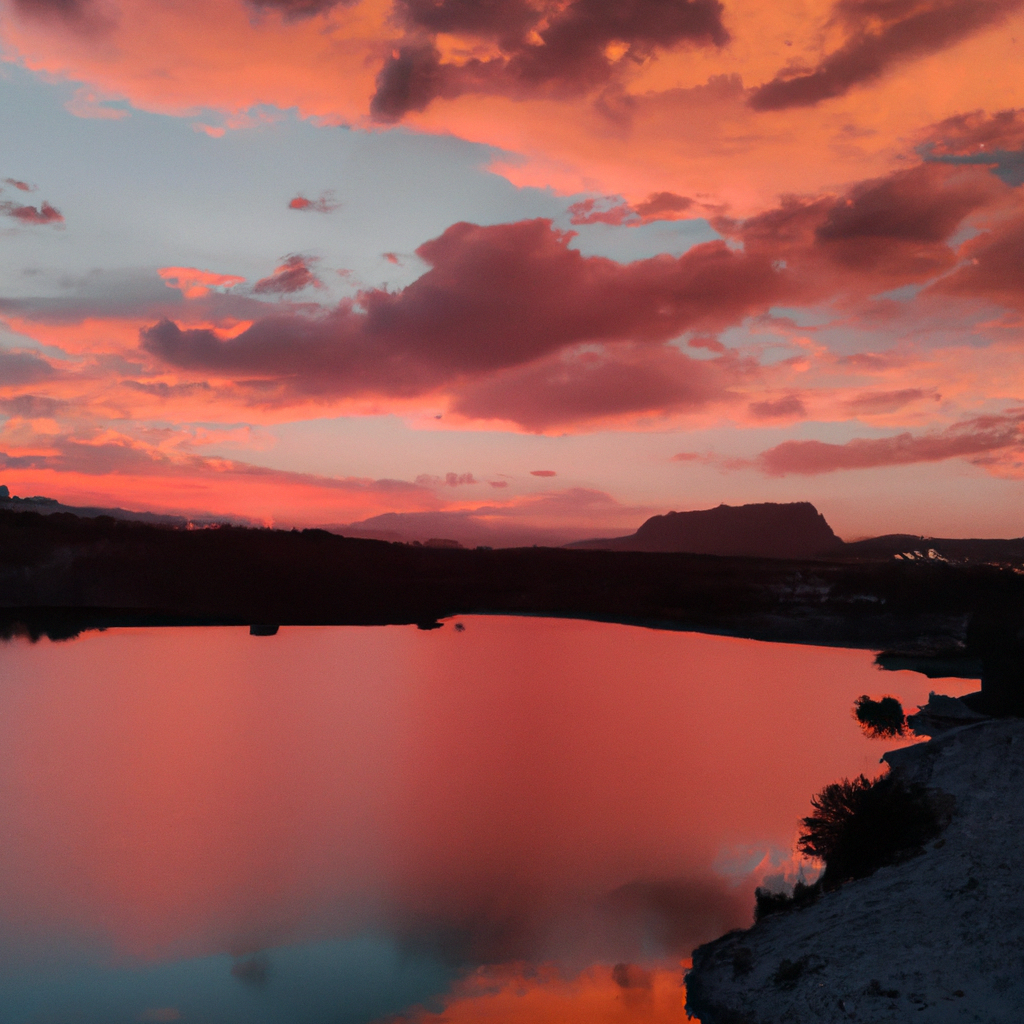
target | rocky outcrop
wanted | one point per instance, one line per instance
(766, 530)
(939, 937)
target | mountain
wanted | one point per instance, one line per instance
(766, 530)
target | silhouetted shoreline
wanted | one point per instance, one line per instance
(62, 574)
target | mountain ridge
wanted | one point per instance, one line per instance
(760, 530)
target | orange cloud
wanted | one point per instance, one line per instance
(194, 283)
(636, 121)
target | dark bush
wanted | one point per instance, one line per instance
(880, 718)
(767, 902)
(859, 826)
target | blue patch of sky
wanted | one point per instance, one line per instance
(1005, 164)
(806, 316)
(149, 190)
(903, 294)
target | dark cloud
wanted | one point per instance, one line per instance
(23, 368)
(991, 266)
(778, 408)
(516, 325)
(161, 389)
(293, 275)
(966, 134)
(923, 204)
(659, 205)
(30, 406)
(410, 80)
(508, 21)
(995, 142)
(881, 35)
(324, 203)
(559, 51)
(874, 402)
(45, 214)
(80, 15)
(883, 233)
(295, 9)
(448, 480)
(254, 970)
(68, 10)
(974, 439)
(497, 298)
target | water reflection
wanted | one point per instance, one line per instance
(359, 814)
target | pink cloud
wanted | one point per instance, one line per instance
(22, 186)
(789, 407)
(293, 275)
(617, 212)
(589, 211)
(148, 476)
(324, 203)
(44, 214)
(874, 402)
(542, 472)
(497, 298)
(516, 325)
(194, 283)
(974, 438)
(586, 387)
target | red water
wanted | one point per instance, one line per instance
(176, 793)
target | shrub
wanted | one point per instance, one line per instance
(767, 902)
(880, 718)
(859, 826)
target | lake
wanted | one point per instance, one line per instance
(522, 820)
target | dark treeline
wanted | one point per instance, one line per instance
(60, 574)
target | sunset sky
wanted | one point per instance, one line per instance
(551, 266)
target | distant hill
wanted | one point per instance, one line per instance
(944, 549)
(48, 506)
(766, 530)
(470, 527)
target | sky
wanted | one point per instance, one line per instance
(515, 270)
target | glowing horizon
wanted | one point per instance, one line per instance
(308, 262)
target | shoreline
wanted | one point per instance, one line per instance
(938, 937)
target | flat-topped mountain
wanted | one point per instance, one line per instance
(765, 530)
